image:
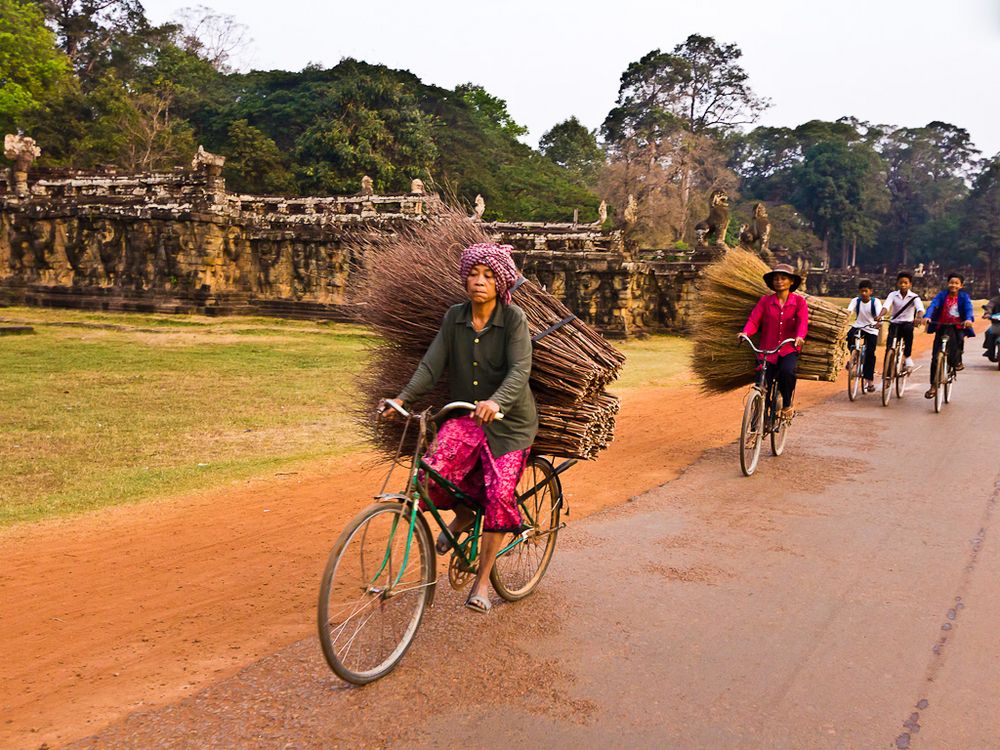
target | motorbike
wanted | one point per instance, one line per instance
(992, 337)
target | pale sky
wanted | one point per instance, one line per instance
(902, 62)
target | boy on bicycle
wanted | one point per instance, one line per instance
(902, 307)
(867, 310)
(950, 307)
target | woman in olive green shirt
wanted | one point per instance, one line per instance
(486, 347)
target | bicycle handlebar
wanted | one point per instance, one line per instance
(459, 405)
(769, 351)
(444, 409)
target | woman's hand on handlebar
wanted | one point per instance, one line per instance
(486, 412)
(388, 412)
(799, 342)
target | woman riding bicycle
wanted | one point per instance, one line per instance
(485, 346)
(779, 316)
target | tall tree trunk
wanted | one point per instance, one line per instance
(826, 249)
(843, 252)
(854, 252)
(685, 200)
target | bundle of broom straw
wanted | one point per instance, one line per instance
(728, 291)
(407, 283)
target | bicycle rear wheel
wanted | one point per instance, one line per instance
(888, 376)
(939, 377)
(367, 619)
(519, 570)
(751, 432)
(854, 375)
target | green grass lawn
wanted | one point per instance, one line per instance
(654, 362)
(104, 409)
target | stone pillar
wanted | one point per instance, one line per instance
(22, 151)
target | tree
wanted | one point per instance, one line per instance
(88, 30)
(981, 224)
(699, 87)
(570, 145)
(669, 103)
(371, 126)
(927, 172)
(137, 131)
(33, 72)
(491, 109)
(217, 38)
(254, 163)
(836, 190)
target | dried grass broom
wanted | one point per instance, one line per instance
(728, 291)
(409, 280)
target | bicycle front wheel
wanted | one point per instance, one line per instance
(888, 376)
(940, 376)
(375, 588)
(902, 373)
(519, 570)
(752, 432)
(854, 375)
(949, 383)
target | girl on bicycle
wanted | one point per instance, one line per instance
(779, 316)
(485, 347)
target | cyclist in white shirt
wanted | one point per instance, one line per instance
(867, 310)
(902, 308)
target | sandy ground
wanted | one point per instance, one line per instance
(133, 608)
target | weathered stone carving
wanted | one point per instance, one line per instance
(212, 165)
(756, 235)
(713, 229)
(602, 212)
(366, 186)
(417, 187)
(22, 151)
(631, 214)
(480, 208)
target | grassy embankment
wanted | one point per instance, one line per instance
(105, 409)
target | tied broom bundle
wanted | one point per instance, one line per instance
(728, 291)
(409, 281)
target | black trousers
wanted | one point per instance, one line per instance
(956, 345)
(905, 330)
(990, 343)
(871, 344)
(784, 371)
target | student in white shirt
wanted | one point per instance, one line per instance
(867, 310)
(902, 308)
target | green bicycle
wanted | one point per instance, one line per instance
(382, 573)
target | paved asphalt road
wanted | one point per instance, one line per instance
(846, 596)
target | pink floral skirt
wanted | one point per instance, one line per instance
(462, 455)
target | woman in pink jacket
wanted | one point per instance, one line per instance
(779, 316)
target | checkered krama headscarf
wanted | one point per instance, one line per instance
(497, 258)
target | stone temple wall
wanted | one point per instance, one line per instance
(179, 242)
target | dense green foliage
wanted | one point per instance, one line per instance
(33, 72)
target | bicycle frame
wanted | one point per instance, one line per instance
(769, 392)
(417, 492)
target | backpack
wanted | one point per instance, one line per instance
(857, 305)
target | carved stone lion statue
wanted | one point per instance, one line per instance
(756, 235)
(713, 229)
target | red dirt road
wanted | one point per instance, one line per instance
(138, 607)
